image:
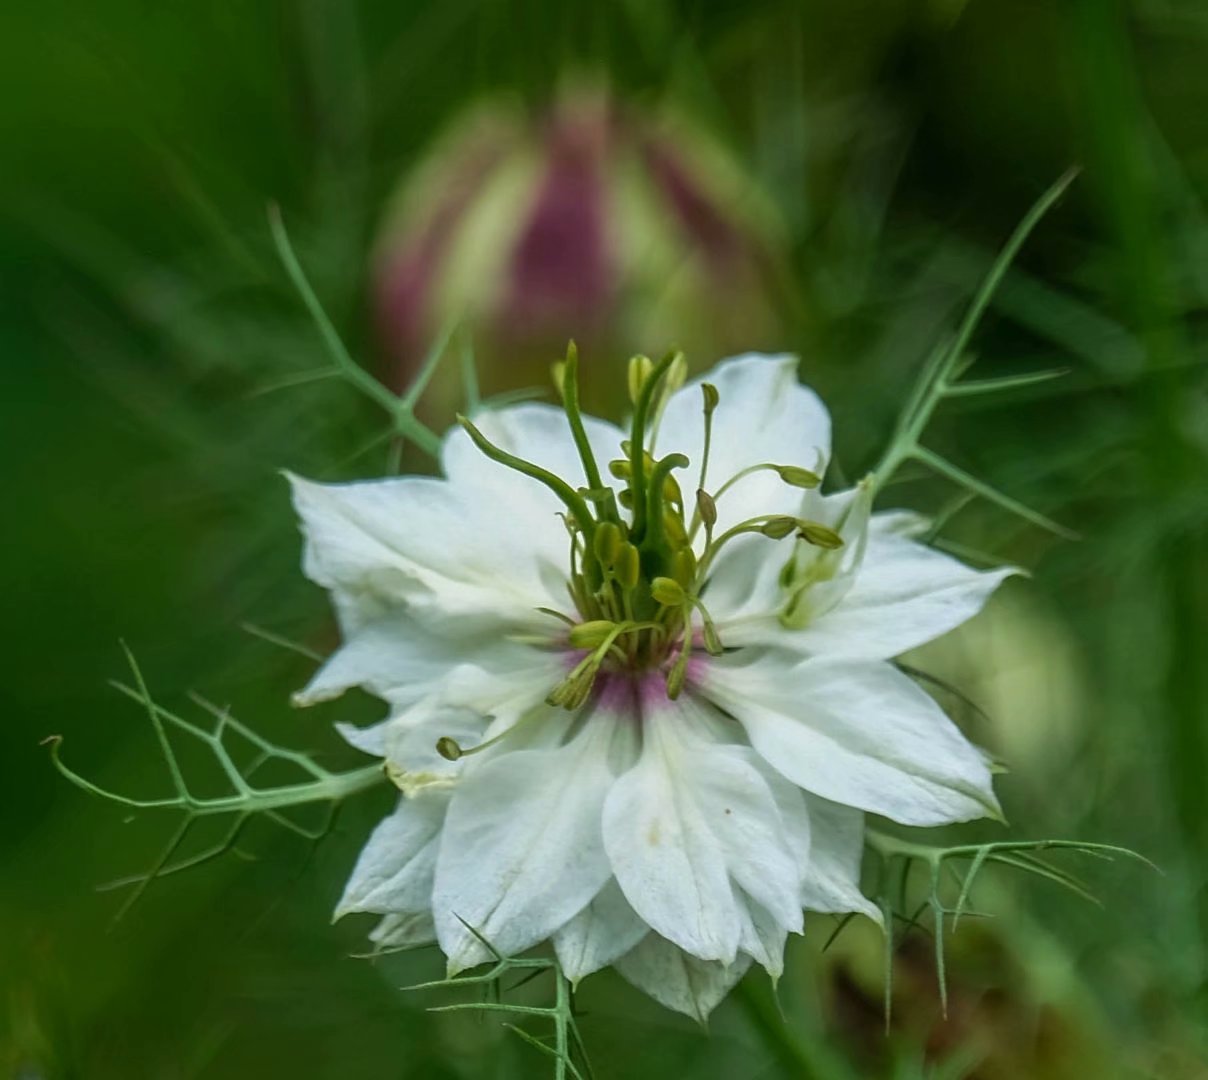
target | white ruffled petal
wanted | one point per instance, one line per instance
(837, 849)
(395, 868)
(765, 415)
(521, 852)
(603, 931)
(408, 930)
(757, 584)
(421, 542)
(539, 434)
(678, 980)
(828, 842)
(855, 732)
(763, 936)
(691, 817)
(402, 660)
(904, 595)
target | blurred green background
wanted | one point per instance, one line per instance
(864, 159)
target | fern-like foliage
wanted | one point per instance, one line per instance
(950, 873)
(940, 381)
(567, 1043)
(244, 801)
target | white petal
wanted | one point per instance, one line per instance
(683, 822)
(409, 744)
(763, 936)
(746, 595)
(828, 842)
(419, 541)
(744, 587)
(604, 930)
(765, 416)
(540, 435)
(403, 659)
(521, 853)
(404, 931)
(395, 868)
(904, 595)
(855, 732)
(680, 981)
(836, 851)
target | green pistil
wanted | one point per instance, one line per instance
(654, 546)
(637, 442)
(573, 500)
(597, 491)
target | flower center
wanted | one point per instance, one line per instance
(639, 560)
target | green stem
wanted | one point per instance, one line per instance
(799, 1060)
(404, 421)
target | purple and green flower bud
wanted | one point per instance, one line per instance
(591, 219)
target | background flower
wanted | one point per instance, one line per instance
(588, 217)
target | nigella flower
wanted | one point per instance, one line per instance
(641, 725)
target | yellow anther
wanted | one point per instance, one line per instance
(675, 679)
(640, 368)
(607, 543)
(589, 635)
(778, 528)
(628, 567)
(677, 375)
(711, 396)
(668, 592)
(683, 567)
(448, 748)
(706, 507)
(798, 477)
(823, 536)
(673, 528)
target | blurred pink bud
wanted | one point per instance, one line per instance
(591, 220)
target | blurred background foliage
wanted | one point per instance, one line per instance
(821, 176)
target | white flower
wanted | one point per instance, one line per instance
(647, 736)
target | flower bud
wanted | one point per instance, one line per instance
(586, 217)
